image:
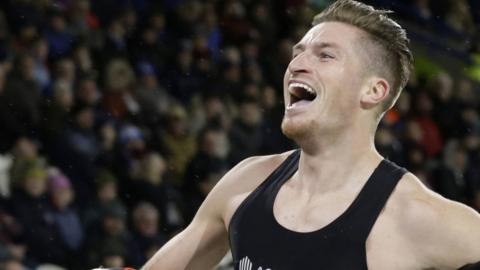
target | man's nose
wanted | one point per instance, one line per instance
(300, 64)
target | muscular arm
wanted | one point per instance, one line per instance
(444, 234)
(205, 241)
(200, 246)
(458, 242)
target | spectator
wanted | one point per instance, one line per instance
(263, 21)
(25, 36)
(210, 110)
(41, 71)
(64, 216)
(107, 155)
(229, 85)
(414, 153)
(149, 183)
(113, 255)
(19, 103)
(118, 100)
(388, 145)
(132, 147)
(76, 151)
(207, 165)
(115, 41)
(432, 141)
(273, 108)
(152, 44)
(88, 92)
(56, 112)
(83, 59)
(106, 194)
(459, 17)
(153, 99)
(246, 133)
(147, 238)
(178, 142)
(277, 61)
(212, 31)
(83, 20)
(422, 9)
(29, 206)
(10, 263)
(11, 237)
(66, 70)
(454, 179)
(182, 81)
(108, 245)
(441, 89)
(25, 154)
(59, 38)
(235, 23)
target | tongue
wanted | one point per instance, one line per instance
(302, 102)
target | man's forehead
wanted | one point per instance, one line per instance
(331, 32)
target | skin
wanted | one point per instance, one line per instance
(417, 229)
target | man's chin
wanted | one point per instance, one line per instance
(294, 131)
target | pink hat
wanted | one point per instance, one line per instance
(58, 181)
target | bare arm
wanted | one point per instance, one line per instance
(443, 233)
(200, 246)
(458, 242)
(205, 241)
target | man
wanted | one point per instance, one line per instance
(335, 203)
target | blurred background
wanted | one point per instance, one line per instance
(117, 117)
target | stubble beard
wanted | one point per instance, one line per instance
(297, 131)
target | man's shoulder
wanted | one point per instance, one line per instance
(253, 170)
(420, 203)
(435, 224)
(242, 179)
(265, 162)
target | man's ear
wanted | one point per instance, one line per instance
(377, 91)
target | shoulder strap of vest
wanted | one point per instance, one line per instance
(472, 266)
(267, 189)
(375, 194)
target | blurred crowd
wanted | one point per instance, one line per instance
(117, 117)
(454, 18)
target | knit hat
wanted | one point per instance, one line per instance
(35, 171)
(58, 181)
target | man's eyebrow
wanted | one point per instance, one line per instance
(317, 45)
(322, 45)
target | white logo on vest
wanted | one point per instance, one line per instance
(246, 264)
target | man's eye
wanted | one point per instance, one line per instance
(326, 56)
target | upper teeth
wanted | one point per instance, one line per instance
(304, 86)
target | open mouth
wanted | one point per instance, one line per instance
(301, 93)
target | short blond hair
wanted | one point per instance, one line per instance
(387, 44)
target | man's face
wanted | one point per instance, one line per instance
(62, 197)
(323, 80)
(35, 186)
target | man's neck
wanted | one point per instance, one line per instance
(340, 162)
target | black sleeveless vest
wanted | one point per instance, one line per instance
(259, 242)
